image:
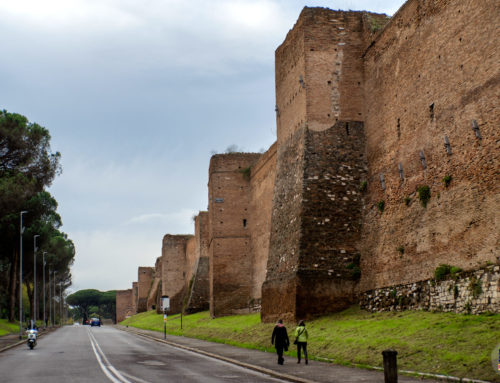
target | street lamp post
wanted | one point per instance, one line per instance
(55, 272)
(44, 316)
(34, 279)
(21, 230)
(61, 301)
(50, 299)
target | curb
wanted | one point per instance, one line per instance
(24, 341)
(291, 378)
(262, 370)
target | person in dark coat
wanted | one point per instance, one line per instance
(280, 340)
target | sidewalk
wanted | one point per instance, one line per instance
(266, 362)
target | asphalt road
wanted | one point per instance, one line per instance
(104, 354)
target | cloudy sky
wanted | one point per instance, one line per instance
(137, 95)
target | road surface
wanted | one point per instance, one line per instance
(104, 354)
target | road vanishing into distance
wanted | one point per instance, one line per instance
(105, 354)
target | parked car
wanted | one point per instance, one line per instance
(95, 322)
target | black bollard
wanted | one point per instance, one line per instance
(390, 366)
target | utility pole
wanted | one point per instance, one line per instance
(44, 316)
(21, 230)
(34, 280)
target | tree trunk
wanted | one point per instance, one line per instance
(13, 286)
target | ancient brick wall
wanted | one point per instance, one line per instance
(174, 270)
(124, 306)
(198, 284)
(262, 178)
(155, 292)
(144, 281)
(134, 298)
(430, 75)
(230, 272)
(316, 215)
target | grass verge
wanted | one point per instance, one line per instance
(8, 328)
(441, 343)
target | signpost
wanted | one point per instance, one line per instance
(165, 306)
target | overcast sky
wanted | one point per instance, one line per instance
(137, 95)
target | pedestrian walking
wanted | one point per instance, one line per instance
(280, 340)
(301, 336)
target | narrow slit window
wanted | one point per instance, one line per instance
(431, 111)
(244, 222)
(347, 128)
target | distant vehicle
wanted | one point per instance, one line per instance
(86, 322)
(95, 322)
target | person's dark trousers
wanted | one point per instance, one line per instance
(302, 345)
(279, 351)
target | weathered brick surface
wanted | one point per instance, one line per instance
(124, 306)
(262, 179)
(135, 296)
(358, 98)
(230, 272)
(144, 282)
(154, 295)
(438, 53)
(198, 284)
(173, 270)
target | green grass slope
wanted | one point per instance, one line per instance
(442, 343)
(8, 328)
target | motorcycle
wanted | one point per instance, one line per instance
(32, 334)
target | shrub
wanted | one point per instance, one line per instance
(381, 205)
(424, 194)
(401, 249)
(407, 201)
(441, 272)
(446, 180)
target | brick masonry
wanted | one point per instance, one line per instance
(144, 282)
(368, 109)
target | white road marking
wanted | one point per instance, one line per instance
(109, 370)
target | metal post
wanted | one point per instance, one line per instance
(21, 230)
(55, 272)
(34, 277)
(390, 366)
(164, 324)
(50, 300)
(61, 301)
(44, 316)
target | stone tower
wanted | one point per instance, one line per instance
(313, 263)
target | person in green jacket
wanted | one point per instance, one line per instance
(301, 336)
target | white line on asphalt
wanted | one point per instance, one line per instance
(109, 370)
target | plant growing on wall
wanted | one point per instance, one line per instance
(443, 270)
(424, 194)
(407, 201)
(381, 205)
(246, 173)
(475, 287)
(362, 186)
(447, 180)
(401, 249)
(354, 267)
